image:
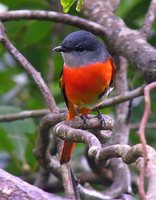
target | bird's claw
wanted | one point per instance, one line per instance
(84, 118)
(101, 118)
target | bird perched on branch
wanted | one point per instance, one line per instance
(86, 78)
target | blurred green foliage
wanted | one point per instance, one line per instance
(35, 39)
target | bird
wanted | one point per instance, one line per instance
(86, 78)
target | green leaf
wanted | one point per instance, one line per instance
(16, 131)
(66, 4)
(79, 5)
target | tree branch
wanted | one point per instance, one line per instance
(69, 131)
(128, 95)
(52, 16)
(40, 113)
(150, 125)
(43, 89)
(149, 20)
(23, 115)
(141, 133)
(122, 40)
(13, 187)
(120, 136)
(91, 194)
(127, 153)
(150, 173)
(137, 51)
(69, 178)
(42, 151)
(29, 69)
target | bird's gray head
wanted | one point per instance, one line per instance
(80, 48)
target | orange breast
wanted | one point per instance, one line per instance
(84, 84)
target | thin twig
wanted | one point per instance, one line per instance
(68, 179)
(150, 125)
(149, 19)
(151, 174)
(23, 115)
(42, 151)
(141, 133)
(49, 162)
(41, 112)
(53, 16)
(123, 97)
(29, 69)
(117, 35)
(39, 82)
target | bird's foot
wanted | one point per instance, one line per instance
(84, 118)
(100, 117)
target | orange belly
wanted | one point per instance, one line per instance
(84, 84)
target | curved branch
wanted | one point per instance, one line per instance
(127, 153)
(42, 151)
(53, 16)
(91, 194)
(141, 133)
(70, 131)
(124, 41)
(102, 135)
(119, 186)
(91, 123)
(149, 20)
(29, 69)
(150, 173)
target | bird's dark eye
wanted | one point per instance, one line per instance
(80, 49)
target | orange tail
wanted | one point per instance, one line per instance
(69, 146)
(66, 152)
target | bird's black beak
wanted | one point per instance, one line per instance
(58, 49)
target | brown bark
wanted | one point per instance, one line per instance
(123, 40)
(13, 188)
